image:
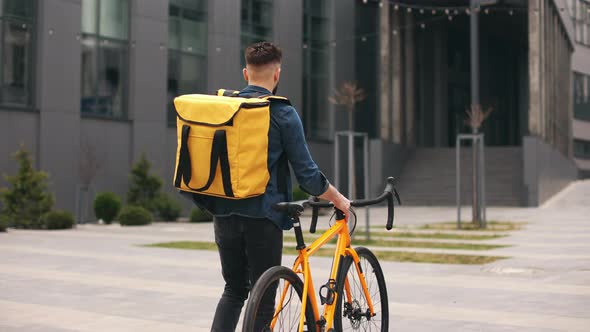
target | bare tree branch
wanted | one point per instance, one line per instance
(90, 162)
(476, 117)
(348, 95)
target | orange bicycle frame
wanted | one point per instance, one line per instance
(301, 266)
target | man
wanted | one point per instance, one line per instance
(248, 232)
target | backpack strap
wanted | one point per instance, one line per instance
(228, 93)
(271, 97)
(283, 172)
(218, 155)
(236, 93)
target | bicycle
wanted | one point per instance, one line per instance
(353, 298)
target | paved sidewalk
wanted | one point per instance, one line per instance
(99, 278)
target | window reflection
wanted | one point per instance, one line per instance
(16, 31)
(581, 96)
(315, 64)
(104, 57)
(580, 13)
(256, 23)
(187, 51)
(581, 149)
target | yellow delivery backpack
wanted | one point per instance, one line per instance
(222, 144)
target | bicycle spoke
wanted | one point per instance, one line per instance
(353, 312)
(281, 289)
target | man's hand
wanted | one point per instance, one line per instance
(340, 202)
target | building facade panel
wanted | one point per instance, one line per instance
(16, 128)
(288, 34)
(147, 83)
(224, 52)
(58, 71)
(109, 143)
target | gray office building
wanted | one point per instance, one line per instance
(87, 86)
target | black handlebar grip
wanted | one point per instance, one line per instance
(389, 225)
(314, 219)
(314, 216)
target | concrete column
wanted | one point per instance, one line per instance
(147, 81)
(58, 96)
(534, 42)
(385, 71)
(224, 49)
(543, 69)
(440, 88)
(288, 34)
(409, 72)
(474, 51)
(569, 97)
(342, 55)
(549, 75)
(397, 79)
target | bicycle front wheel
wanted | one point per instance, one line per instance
(275, 303)
(352, 308)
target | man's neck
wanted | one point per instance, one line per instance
(267, 85)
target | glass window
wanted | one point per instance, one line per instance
(316, 58)
(89, 16)
(114, 19)
(579, 11)
(17, 8)
(257, 18)
(581, 149)
(16, 58)
(105, 55)
(581, 96)
(187, 51)
(89, 80)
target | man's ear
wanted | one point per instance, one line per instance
(245, 73)
(277, 74)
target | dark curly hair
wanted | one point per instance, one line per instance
(262, 53)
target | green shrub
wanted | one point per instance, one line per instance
(3, 223)
(58, 220)
(299, 195)
(168, 208)
(134, 216)
(198, 215)
(106, 206)
(144, 188)
(28, 198)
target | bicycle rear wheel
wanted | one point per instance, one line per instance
(273, 285)
(352, 313)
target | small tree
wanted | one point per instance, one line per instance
(475, 118)
(348, 95)
(28, 198)
(144, 188)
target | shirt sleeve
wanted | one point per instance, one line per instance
(308, 174)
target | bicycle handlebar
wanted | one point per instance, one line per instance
(313, 202)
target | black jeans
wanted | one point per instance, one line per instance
(247, 248)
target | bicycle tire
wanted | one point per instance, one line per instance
(356, 311)
(277, 277)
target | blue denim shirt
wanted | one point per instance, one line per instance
(285, 139)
